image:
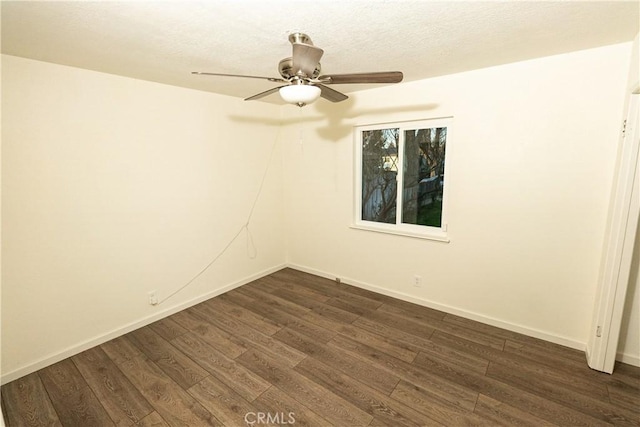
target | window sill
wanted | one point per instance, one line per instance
(439, 236)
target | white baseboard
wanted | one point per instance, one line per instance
(629, 359)
(546, 336)
(85, 345)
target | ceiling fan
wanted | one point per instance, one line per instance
(301, 73)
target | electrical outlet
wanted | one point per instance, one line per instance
(153, 298)
(417, 281)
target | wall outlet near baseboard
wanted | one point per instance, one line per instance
(153, 298)
(417, 281)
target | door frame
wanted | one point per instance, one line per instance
(620, 239)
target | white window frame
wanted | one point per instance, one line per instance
(399, 228)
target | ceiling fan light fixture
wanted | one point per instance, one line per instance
(300, 74)
(300, 94)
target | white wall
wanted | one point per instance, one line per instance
(531, 160)
(113, 187)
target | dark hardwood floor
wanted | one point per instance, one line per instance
(295, 349)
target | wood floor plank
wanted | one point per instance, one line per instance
(276, 401)
(414, 310)
(277, 312)
(267, 283)
(320, 400)
(468, 360)
(544, 356)
(251, 337)
(571, 380)
(335, 313)
(449, 354)
(323, 321)
(371, 401)
(221, 340)
(399, 322)
(321, 308)
(121, 349)
(274, 301)
(122, 401)
(179, 367)
(624, 396)
(354, 297)
(314, 283)
(167, 328)
(516, 338)
(401, 350)
(509, 394)
(299, 305)
(625, 376)
(595, 408)
(580, 381)
(324, 286)
(275, 282)
(264, 325)
(429, 322)
(149, 342)
(71, 397)
(81, 408)
(153, 420)
(62, 378)
(172, 402)
(26, 403)
(244, 381)
(436, 409)
(374, 377)
(339, 290)
(330, 288)
(377, 422)
(505, 415)
(222, 401)
(438, 386)
(325, 316)
(453, 357)
(628, 371)
(307, 296)
(353, 303)
(237, 297)
(365, 293)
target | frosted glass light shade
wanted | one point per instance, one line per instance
(300, 94)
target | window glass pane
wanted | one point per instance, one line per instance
(423, 176)
(379, 172)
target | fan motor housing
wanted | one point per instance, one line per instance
(285, 68)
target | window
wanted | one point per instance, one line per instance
(400, 178)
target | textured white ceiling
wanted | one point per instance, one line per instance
(165, 41)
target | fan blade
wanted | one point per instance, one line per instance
(331, 94)
(263, 94)
(381, 77)
(305, 58)
(271, 79)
